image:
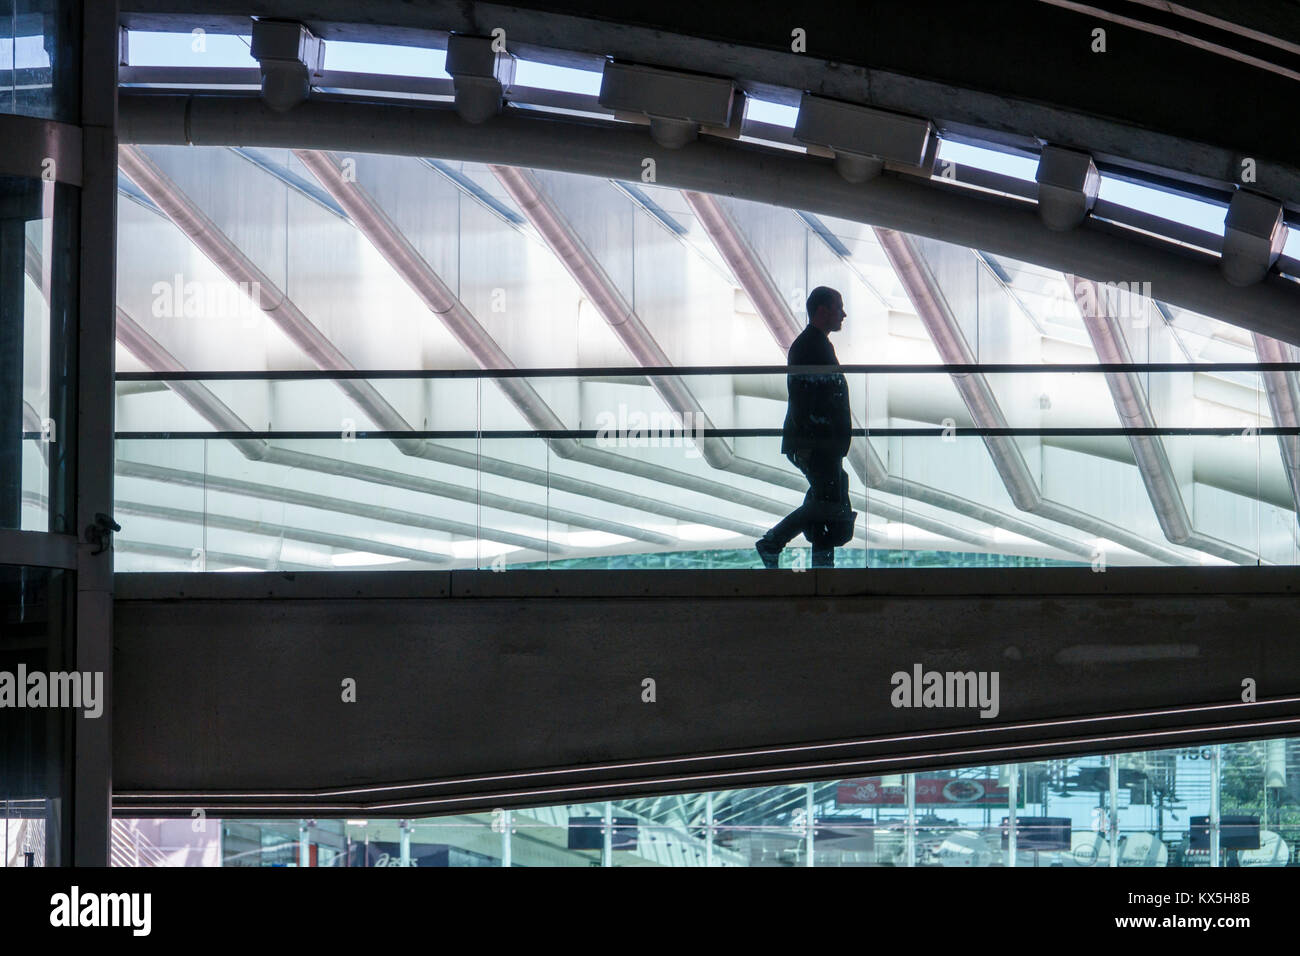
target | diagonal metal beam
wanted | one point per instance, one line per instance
(1283, 392)
(406, 260)
(754, 277)
(150, 352)
(221, 250)
(223, 558)
(281, 310)
(932, 307)
(250, 526)
(1134, 412)
(587, 272)
(600, 289)
(400, 253)
(306, 499)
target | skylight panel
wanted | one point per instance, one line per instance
(197, 48)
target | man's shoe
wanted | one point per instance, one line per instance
(769, 553)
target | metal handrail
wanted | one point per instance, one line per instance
(504, 433)
(646, 371)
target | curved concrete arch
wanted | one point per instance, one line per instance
(911, 204)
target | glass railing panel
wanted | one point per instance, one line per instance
(517, 528)
(561, 471)
(161, 500)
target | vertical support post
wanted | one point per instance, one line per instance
(1113, 825)
(404, 844)
(304, 843)
(809, 805)
(1013, 799)
(92, 784)
(909, 838)
(1215, 782)
(708, 829)
(505, 838)
(607, 850)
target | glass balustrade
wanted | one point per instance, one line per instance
(1026, 466)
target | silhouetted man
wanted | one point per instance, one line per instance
(816, 438)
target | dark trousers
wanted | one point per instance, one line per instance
(827, 497)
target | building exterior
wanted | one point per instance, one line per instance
(394, 406)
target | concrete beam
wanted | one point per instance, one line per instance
(1016, 72)
(1095, 250)
(229, 686)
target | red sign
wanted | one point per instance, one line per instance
(952, 791)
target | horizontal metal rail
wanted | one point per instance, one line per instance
(642, 371)
(688, 432)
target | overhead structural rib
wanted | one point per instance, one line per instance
(610, 150)
(421, 278)
(306, 499)
(1135, 412)
(619, 315)
(223, 559)
(755, 278)
(399, 252)
(239, 268)
(199, 397)
(617, 312)
(932, 307)
(622, 319)
(265, 528)
(222, 251)
(1283, 392)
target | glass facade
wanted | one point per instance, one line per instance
(40, 65)
(433, 273)
(40, 70)
(35, 741)
(401, 364)
(1211, 805)
(37, 361)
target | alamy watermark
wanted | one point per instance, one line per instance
(203, 299)
(38, 689)
(637, 429)
(129, 910)
(922, 688)
(1129, 302)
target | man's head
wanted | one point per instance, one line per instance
(826, 309)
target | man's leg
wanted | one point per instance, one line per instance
(770, 546)
(789, 527)
(828, 498)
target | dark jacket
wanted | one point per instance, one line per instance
(818, 417)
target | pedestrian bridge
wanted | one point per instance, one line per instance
(418, 693)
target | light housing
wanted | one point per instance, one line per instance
(677, 104)
(1068, 183)
(1253, 237)
(288, 55)
(861, 138)
(480, 76)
